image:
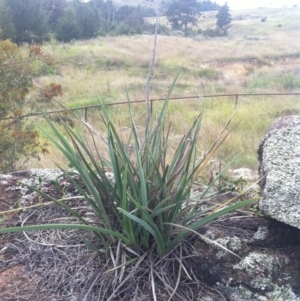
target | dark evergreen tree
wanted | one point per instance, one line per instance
(88, 20)
(7, 27)
(29, 20)
(182, 13)
(98, 4)
(223, 17)
(208, 5)
(67, 27)
(128, 20)
(54, 10)
(109, 11)
(129, 15)
(106, 10)
(148, 12)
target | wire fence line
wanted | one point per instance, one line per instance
(86, 108)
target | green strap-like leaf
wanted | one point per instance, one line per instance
(198, 224)
(65, 226)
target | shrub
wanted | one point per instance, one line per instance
(208, 73)
(260, 80)
(218, 32)
(291, 81)
(124, 29)
(17, 138)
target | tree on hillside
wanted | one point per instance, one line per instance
(68, 27)
(7, 27)
(109, 11)
(182, 13)
(97, 4)
(29, 19)
(223, 17)
(130, 16)
(88, 20)
(208, 5)
(54, 10)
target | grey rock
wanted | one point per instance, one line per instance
(267, 266)
(279, 157)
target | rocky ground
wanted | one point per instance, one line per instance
(57, 266)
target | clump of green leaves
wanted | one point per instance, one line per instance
(227, 184)
(291, 80)
(208, 73)
(148, 202)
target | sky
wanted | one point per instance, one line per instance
(244, 4)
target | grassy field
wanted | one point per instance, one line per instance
(256, 57)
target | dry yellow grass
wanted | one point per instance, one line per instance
(255, 57)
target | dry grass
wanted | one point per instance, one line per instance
(254, 58)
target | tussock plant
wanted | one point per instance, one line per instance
(146, 216)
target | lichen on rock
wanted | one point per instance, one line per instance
(279, 156)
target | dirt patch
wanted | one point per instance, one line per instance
(237, 70)
(11, 280)
(234, 71)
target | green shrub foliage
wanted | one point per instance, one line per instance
(17, 138)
